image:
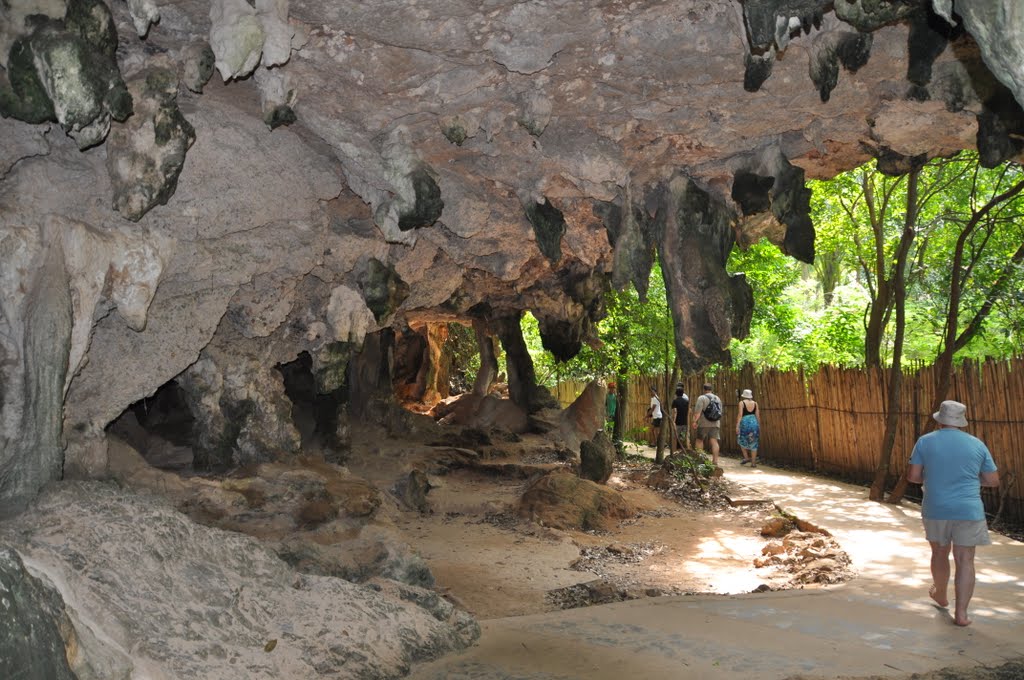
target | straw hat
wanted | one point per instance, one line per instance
(951, 413)
(747, 394)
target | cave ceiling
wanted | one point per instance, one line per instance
(300, 174)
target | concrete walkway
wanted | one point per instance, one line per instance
(882, 623)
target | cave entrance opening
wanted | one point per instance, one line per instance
(434, 361)
(161, 427)
(317, 416)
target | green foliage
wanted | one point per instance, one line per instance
(635, 338)
(636, 435)
(809, 315)
(775, 327)
(461, 343)
(691, 465)
(805, 316)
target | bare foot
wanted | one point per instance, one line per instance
(962, 621)
(942, 601)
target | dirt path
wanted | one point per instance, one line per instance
(879, 625)
(496, 565)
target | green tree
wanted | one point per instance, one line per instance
(990, 214)
(927, 266)
(631, 338)
(915, 241)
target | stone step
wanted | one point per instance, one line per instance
(740, 495)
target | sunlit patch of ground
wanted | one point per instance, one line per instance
(496, 565)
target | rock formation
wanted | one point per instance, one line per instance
(355, 171)
(404, 164)
(174, 599)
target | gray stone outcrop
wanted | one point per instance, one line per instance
(31, 615)
(183, 600)
(146, 153)
(998, 27)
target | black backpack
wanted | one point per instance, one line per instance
(713, 411)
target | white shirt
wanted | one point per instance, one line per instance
(655, 407)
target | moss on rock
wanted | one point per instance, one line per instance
(278, 116)
(428, 206)
(549, 226)
(564, 501)
(93, 22)
(330, 365)
(25, 98)
(382, 287)
(66, 71)
(455, 132)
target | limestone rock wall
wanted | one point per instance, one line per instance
(442, 159)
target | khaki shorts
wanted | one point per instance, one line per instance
(709, 433)
(963, 532)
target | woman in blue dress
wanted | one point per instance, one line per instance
(748, 428)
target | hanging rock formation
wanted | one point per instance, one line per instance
(428, 162)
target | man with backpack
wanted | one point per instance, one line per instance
(707, 419)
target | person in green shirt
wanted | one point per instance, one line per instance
(611, 404)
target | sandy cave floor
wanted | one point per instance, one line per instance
(495, 564)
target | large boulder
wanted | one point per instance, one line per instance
(375, 552)
(562, 500)
(585, 416)
(43, 639)
(192, 601)
(597, 458)
(483, 413)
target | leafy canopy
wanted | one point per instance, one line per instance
(806, 316)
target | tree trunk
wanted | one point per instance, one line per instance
(885, 286)
(666, 421)
(997, 291)
(876, 325)
(622, 392)
(899, 278)
(829, 270)
(892, 415)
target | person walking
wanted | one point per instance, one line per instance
(680, 415)
(611, 405)
(953, 466)
(748, 428)
(707, 417)
(655, 414)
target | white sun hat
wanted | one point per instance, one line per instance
(747, 394)
(951, 413)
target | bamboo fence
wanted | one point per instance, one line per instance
(833, 421)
